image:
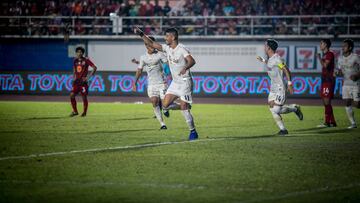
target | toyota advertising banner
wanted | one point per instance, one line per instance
(306, 85)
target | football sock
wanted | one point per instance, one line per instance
(188, 118)
(329, 115)
(350, 114)
(288, 109)
(73, 104)
(275, 111)
(158, 115)
(85, 101)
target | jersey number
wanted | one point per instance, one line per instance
(278, 98)
(187, 97)
(326, 91)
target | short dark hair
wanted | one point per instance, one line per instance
(81, 49)
(152, 38)
(273, 44)
(327, 42)
(173, 31)
(350, 43)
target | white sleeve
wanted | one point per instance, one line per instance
(185, 52)
(141, 63)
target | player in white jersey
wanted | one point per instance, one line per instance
(151, 62)
(180, 62)
(349, 67)
(276, 68)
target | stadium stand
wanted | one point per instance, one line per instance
(197, 17)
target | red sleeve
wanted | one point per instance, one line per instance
(329, 56)
(89, 62)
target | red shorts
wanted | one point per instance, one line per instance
(327, 90)
(83, 89)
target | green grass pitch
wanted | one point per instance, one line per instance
(236, 159)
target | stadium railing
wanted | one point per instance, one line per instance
(212, 27)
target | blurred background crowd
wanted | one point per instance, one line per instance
(196, 17)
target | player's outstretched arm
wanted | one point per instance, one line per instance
(135, 61)
(261, 59)
(147, 40)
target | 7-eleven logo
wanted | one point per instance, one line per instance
(305, 58)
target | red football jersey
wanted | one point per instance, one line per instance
(327, 73)
(81, 67)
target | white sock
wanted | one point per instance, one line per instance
(158, 115)
(275, 111)
(188, 118)
(287, 109)
(350, 114)
(173, 106)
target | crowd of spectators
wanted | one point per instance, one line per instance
(65, 16)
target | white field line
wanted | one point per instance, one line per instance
(108, 149)
(122, 148)
(124, 184)
(105, 183)
(306, 192)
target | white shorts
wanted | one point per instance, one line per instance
(158, 90)
(278, 97)
(351, 92)
(182, 89)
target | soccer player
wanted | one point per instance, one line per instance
(180, 62)
(349, 65)
(276, 68)
(327, 82)
(81, 78)
(151, 62)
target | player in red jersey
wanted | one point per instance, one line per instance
(81, 78)
(327, 81)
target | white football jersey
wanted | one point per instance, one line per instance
(151, 63)
(176, 58)
(349, 65)
(274, 69)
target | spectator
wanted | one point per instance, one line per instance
(228, 9)
(146, 9)
(134, 9)
(183, 8)
(158, 10)
(167, 8)
(79, 28)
